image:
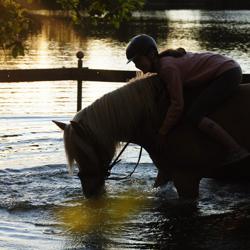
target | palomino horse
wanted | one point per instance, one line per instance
(134, 113)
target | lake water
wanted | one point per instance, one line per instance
(34, 182)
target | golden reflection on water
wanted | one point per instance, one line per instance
(184, 31)
(86, 216)
(183, 15)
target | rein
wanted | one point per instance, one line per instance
(79, 130)
(116, 160)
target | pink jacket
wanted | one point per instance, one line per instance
(189, 70)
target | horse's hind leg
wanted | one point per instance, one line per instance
(187, 185)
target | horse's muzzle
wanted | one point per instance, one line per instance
(93, 187)
(94, 194)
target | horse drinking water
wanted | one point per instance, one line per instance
(134, 113)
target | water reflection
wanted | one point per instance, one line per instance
(196, 30)
(162, 224)
(85, 216)
(29, 139)
(47, 203)
(57, 42)
(226, 37)
(159, 224)
(96, 223)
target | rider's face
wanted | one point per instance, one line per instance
(143, 63)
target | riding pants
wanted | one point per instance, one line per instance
(214, 95)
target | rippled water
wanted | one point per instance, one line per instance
(32, 200)
(34, 182)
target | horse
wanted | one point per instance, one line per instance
(133, 113)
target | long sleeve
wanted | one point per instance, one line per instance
(172, 78)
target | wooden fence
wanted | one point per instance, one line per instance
(65, 74)
(79, 74)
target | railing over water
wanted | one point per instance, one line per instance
(79, 74)
(66, 74)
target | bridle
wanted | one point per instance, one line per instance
(80, 127)
(116, 160)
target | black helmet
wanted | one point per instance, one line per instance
(140, 45)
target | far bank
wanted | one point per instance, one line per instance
(197, 4)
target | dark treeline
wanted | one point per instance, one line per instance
(159, 4)
(40, 4)
(196, 4)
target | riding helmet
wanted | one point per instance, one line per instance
(140, 45)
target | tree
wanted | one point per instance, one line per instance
(113, 12)
(15, 25)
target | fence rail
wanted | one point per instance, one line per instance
(60, 74)
(66, 74)
(79, 74)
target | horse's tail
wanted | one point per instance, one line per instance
(67, 137)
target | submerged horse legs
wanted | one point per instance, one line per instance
(187, 184)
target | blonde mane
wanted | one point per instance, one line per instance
(115, 116)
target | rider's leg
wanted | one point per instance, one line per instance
(218, 133)
(215, 131)
(213, 96)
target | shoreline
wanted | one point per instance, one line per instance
(197, 4)
(161, 5)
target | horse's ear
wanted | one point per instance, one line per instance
(61, 125)
(76, 126)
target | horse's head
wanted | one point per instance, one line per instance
(82, 147)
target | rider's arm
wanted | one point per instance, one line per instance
(172, 78)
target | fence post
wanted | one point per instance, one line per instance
(79, 55)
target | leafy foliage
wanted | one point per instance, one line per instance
(15, 25)
(113, 12)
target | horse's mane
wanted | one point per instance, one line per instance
(115, 116)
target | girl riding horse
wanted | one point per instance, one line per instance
(179, 69)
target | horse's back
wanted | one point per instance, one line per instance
(190, 149)
(234, 115)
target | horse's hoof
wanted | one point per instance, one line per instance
(187, 186)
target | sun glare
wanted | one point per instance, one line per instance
(88, 215)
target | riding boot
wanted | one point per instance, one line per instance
(235, 151)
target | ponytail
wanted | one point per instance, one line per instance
(173, 52)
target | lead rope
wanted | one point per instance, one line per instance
(118, 160)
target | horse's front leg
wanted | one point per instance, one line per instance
(186, 184)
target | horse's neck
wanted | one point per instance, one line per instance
(150, 126)
(129, 113)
